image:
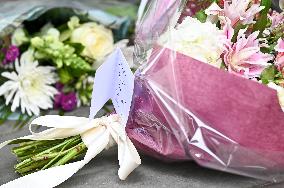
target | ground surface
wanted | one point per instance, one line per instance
(102, 171)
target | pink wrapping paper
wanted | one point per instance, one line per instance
(185, 109)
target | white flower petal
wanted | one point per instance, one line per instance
(35, 110)
(17, 65)
(5, 88)
(16, 102)
(10, 95)
(10, 75)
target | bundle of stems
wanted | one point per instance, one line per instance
(39, 155)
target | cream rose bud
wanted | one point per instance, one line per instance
(97, 39)
(19, 37)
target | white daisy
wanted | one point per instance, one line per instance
(29, 86)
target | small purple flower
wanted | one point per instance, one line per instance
(4, 62)
(69, 101)
(57, 100)
(59, 86)
(11, 54)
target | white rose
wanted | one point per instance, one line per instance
(97, 39)
(19, 37)
(202, 41)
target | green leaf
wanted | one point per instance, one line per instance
(238, 27)
(77, 46)
(64, 76)
(261, 24)
(65, 35)
(201, 16)
(268, 74)
(25, 121)
(19, 121)
(4, 114)
(121, 11)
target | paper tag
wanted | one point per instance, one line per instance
(114, 80)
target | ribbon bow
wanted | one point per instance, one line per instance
(97, 134)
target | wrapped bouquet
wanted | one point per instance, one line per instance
(209, 88)
(49, 52)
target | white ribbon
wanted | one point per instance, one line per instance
(97, 134)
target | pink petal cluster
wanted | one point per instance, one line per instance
(244, 57)
(276, 18)
(279, 60)
(242, 11)
(280, 45)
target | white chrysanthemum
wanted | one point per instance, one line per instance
(29, 86)
(202, 41)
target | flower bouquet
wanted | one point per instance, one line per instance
(49, 53)
(209, 88)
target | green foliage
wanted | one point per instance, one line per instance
(201, 16)
(84, 89)
(127, 28)
(56, 16)
(64, 76)
(237, 28)
(276, 33)
(79, 48)
(268, 74)
(262, 22)
(123, 11)
(6, 114)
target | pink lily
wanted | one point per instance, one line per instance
(236, 10)
(276, 18)
(280, 45)
(244, 57)
(229, 32)
(279, 60)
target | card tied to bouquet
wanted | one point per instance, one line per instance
(114, 80)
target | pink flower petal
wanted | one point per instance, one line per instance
(280, 45)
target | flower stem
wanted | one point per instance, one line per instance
(40, 155)
(71, 154)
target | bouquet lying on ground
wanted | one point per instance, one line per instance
(49, 59)
(211, 86)
(209, 89)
